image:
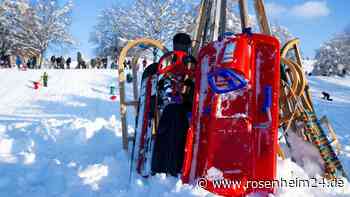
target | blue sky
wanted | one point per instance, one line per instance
(313, 21)
(85, 14)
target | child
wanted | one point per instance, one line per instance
(45, 77)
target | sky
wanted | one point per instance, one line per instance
(85, 14)
(313, 21)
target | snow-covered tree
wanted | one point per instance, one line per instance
(156, 19)
(31, 27)
(15, 17)
(105, 36)
(333, 57)
(52, 24)
(233, 23)
(160, 20)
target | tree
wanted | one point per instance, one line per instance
(156, 19)
(333, 57)
(106, 37)
(160, 20)
(52, 25)
(14, 20)
(31, 28)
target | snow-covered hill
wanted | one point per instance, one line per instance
(65, 140)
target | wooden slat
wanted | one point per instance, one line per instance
(131, 103)
(121, 78)
(243, 7)
(262, 17)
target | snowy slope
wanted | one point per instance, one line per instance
(65, 140)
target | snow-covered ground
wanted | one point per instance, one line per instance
(65, 140)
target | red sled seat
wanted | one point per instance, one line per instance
(232, 138)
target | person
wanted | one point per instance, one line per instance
(104, 62)
(326, 96)
(93, 63)
(80, 60)
(113, 65)
(176, 97)
(29, 63)
(2, 62)
(34, 62)
(98, 63)
(57, 63)
(18, 62)
(45, 78)
(128, 64)
(53, 61)
(68, 62)
(144, 63)
(63, 62)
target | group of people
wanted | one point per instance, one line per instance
(19, 62)
(5, 61)
(60, 62)
(100, 63)
(30, 63)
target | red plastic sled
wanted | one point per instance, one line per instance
(36, 85)
(234, 126)
(113, 97)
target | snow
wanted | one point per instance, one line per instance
(65, 140)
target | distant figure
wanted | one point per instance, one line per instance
(104, 62)
(343, 73)
(80, 61)
(128, 64)
(53, 61)
(98, 63)
(34, 63)
(68, 62)
(18, 62)
(58, 63)
(63, 62)
(93, 63)
(45, 78)
(113, 65)
(144, 63)
(326, 96)
(29, 63)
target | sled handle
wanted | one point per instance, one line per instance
(268, 98)
(234, 80)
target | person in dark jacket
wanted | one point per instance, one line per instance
(53, 61)
(170, 141)
(169, 147)
(68, 62)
